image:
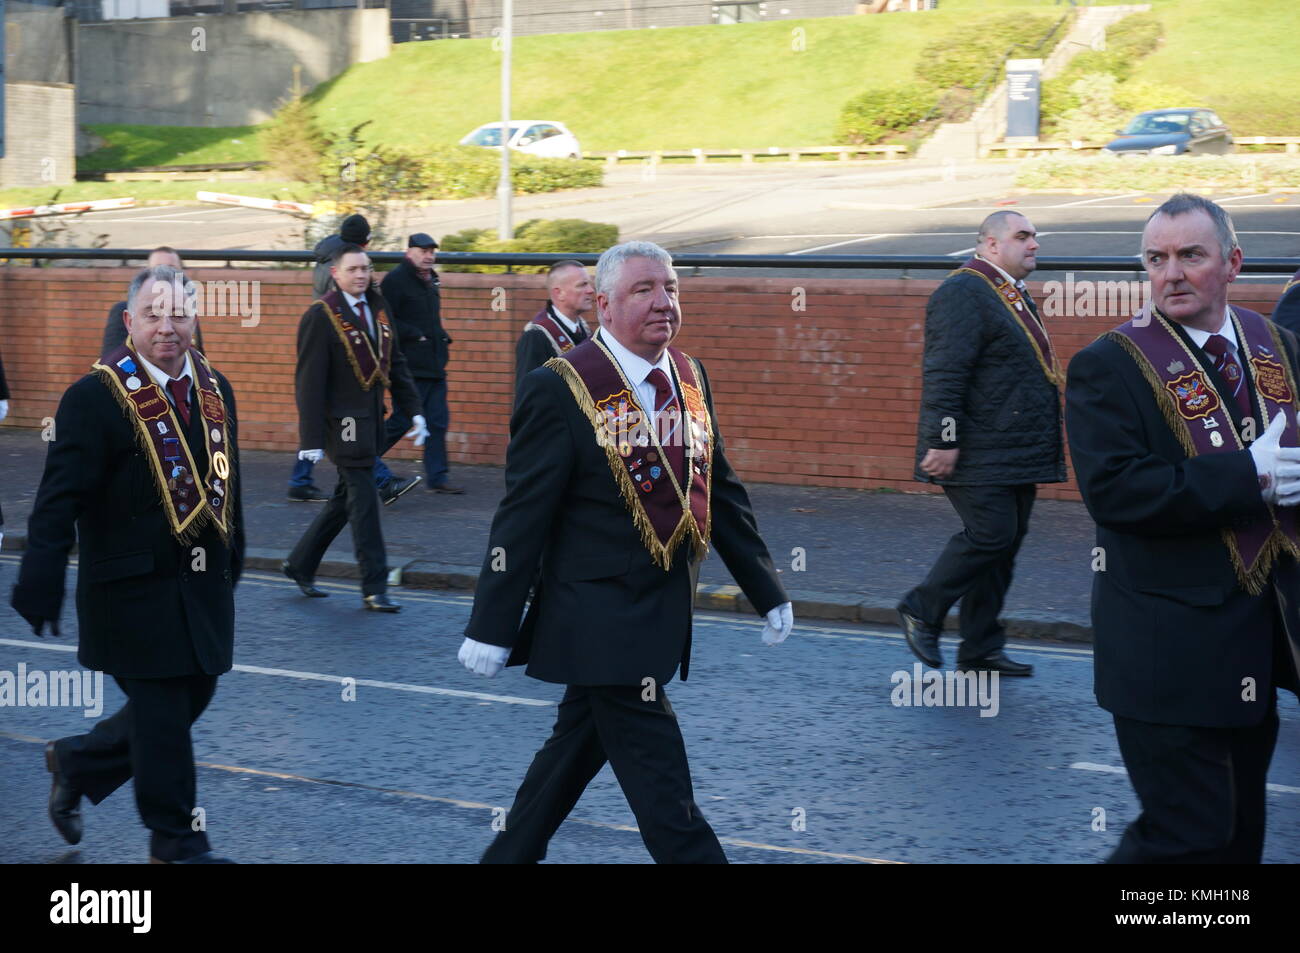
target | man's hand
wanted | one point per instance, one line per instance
(481, 658)
(313, 456)
(779, 623)
(4, 409)
(939, 464)
(420, 431)
(1278, 467)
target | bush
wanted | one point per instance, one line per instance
(1096, 117)
(869, 117)
(1126, 42)
(455, 172)
(1160, 173)
(292, 142)
(1140, 95)
(965, 57)
(565, 236)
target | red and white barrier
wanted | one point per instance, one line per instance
(248, 201)
(66, 208)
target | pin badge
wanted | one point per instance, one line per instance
(133, 383)
(1216, 438)
(216, 435)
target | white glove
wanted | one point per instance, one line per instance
(1278, 467)
(4, 409)
(420, 431)
(779, 623)
(315, 456)
(481, 658)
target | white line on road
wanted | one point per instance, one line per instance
(851, 241)
(1239, 198)
(1112, 769)
(337, 679)
(1102, 198)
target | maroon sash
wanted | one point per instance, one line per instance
(366, 364)
(664, 511)
(1194, 410)
(190, 501)
(560, 340)
(1022, 314)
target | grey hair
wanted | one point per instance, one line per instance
(1184, 202)
(164, 275)
(610, 265)
(995, 225)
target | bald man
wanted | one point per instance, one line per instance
(988, 431)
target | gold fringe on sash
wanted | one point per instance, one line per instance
(661, 554)
(336, 319)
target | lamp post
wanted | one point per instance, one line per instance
(504, 190)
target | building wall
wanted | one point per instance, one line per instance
(826, 396)
(233, 71)
(564, 16)
(40, 135)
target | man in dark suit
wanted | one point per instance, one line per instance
(559, 326)
(143, 476)
(1182, 427)
(611, 519)
(115, 327)
(411, 290)
(347, 355)
(1287, 311)
(4, 412)
(988, 431)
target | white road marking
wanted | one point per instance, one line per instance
(1112, 769)
(851, 241)
(1102, 198)
(337, 679)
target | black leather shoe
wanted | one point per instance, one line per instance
(446, 488)
(380, 603)
(921, 639)
(995, 662)
(306, 585)
(307, 494)
(394, 488)
(65, 800)
(207, 857)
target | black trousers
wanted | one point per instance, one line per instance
(149, 740)
(976, 565)
(1202, 792)
(356, 503)
(641, 740)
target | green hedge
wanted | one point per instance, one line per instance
(570, 236)
(456, 172)
(869, 117)
(1160, 173)
(966, 56)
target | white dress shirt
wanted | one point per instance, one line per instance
(637, 369)
(370, 318)
(569, 324)
(1199, 337)
(161, 377)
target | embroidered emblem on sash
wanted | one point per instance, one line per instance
(1193, 395)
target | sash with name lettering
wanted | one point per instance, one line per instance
(1195, 411)
(368, 366)
(544, 323)
(190, 500)
(1021, 313)
(666, 506)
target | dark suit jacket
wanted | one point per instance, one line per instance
(981, 374)
(142, 609)
(533, 350)
(4, 386)
(115, 332)
(1287, 311)
(417, 317)
(328, 391)
(603, 613)
(1174, 631)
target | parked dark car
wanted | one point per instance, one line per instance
(1173, 132)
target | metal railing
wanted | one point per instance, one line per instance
(1252, 266)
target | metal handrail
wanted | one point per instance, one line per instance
(1253, 266)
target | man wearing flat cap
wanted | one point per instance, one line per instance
(411, 290)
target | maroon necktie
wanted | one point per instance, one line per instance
(181, 396)
(669, 428)
(365, 318)
(1225, 362)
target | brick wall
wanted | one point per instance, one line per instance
(826, 396)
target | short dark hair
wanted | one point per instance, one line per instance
(560, 266)
(1184, 202)
(347, 248)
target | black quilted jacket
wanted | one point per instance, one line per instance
(981, 371)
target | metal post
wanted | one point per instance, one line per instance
(505, 191)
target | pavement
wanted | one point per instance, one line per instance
(844, 555)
